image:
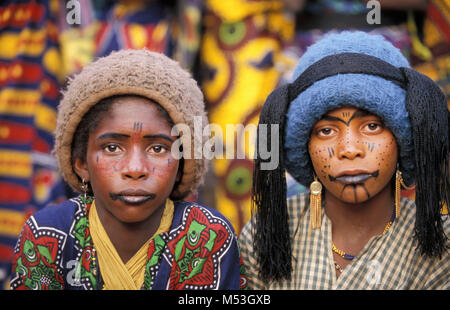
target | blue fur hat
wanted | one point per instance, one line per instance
(372, 93)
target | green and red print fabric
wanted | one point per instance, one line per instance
(39, 263)
(195, 248)
(55, 251)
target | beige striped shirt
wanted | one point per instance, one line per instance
(387, 261)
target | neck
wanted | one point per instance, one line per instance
(128, 238)
(360, 221)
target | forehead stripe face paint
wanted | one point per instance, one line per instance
(357, 114)
(137, 126)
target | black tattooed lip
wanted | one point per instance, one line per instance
(133, 197)
(354, 179)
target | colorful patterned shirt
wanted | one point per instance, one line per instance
(387, 261)
(55, 251)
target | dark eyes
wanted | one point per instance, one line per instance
(157, 149)
(368, 128)
(112, 148)
(373, 127)
(324, 132)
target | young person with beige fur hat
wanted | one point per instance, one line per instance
(129, 228)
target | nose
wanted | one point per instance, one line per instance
(135, 167)
(349, 147)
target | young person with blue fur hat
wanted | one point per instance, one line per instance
(355, 125)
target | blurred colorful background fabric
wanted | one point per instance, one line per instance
(242, 61)
(29, 93)
(435, 60)
(238, 50)
(39, 50)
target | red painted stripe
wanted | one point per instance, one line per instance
(439, 20)
(22, 71)
(15, 133)
(41, 145)
(27, 12)
(125, 35)
(12, 193)
(6, 253)
(49, 89)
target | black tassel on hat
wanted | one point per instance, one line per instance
(271, 229)
(428, 114)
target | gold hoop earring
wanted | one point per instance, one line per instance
(398, 184)
(315, 203)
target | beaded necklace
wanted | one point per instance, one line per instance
(349, 256)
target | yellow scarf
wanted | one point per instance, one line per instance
(117, 275)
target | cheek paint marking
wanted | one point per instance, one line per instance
(331, 151)
(116, 166)
(105, 166)
(354, 192)
(370, 146)
(343, 189)
(367, 192)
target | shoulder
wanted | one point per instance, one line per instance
(188, 212)
(42, 246)
(408, 216)
(60, 215)
(297, 205)
(54, 223)
(406, 221)
(425, 272)
(201, 236)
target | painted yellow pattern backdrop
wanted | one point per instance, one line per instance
(242, 62)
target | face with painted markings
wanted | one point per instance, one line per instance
(129, 163)
(353, 153)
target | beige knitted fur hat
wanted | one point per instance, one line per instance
(133, 72)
